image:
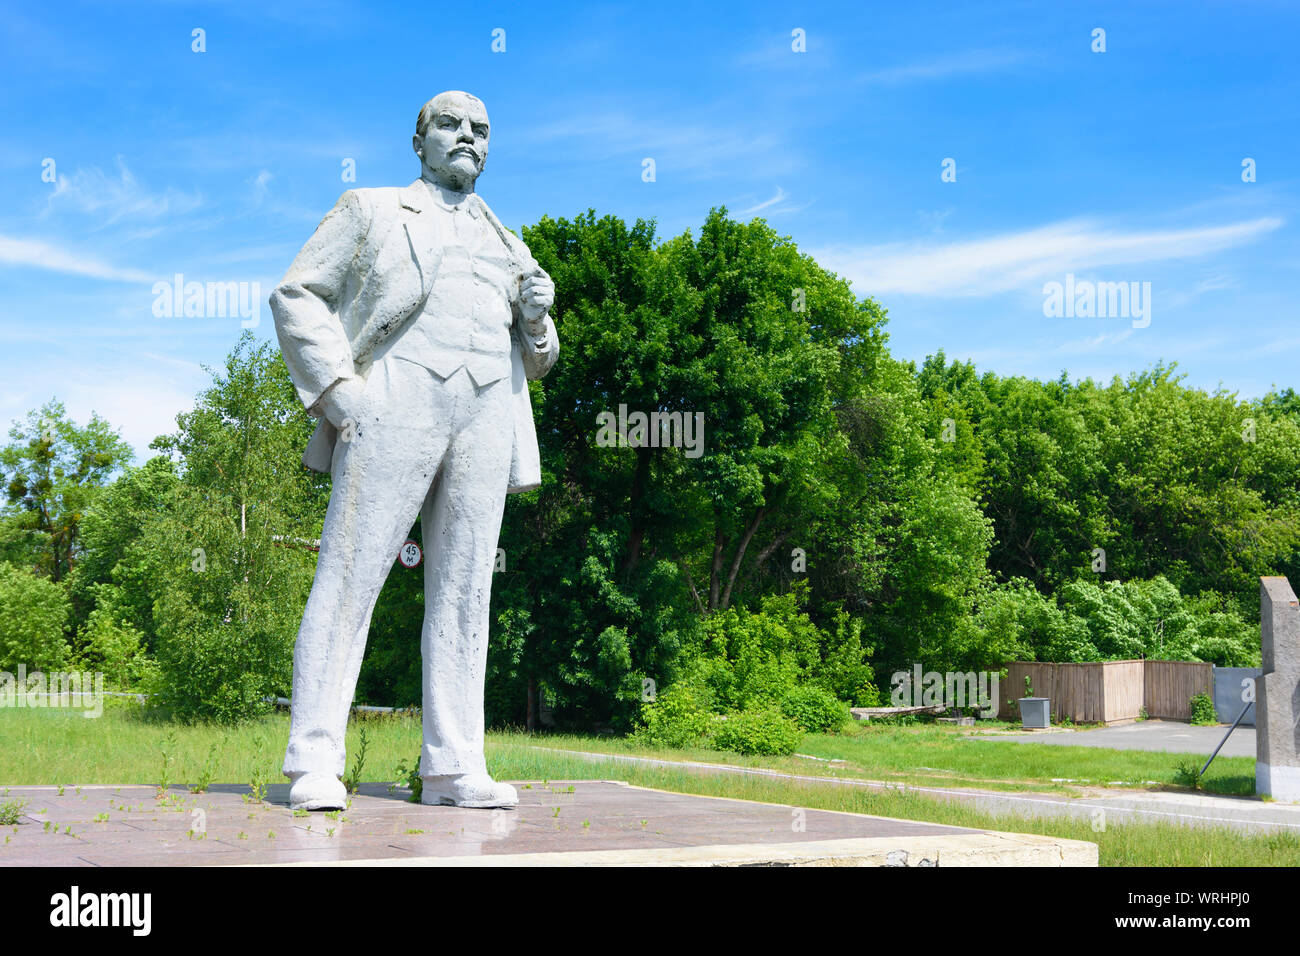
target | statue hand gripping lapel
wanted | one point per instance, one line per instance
(410, 323)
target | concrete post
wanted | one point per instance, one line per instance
(1277, 693)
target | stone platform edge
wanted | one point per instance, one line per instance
(982, 848)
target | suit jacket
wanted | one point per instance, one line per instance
(362, 275)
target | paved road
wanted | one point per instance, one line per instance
(1244, 814)
(1164, 735)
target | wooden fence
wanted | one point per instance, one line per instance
(1108, 691)
(1170, 685)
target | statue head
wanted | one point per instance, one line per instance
(451, 139)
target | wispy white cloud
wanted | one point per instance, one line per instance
(775, 50)
(1017, 260)
(942, 67)
(261, 185)
(695, 146)
(110, 198)
(138, 393)
(142, 410)
(185, 365)
(1214, 283)
(932, 220)
(1217, 282)
(43, 255)
(780, 195)
(1273, 347)
(1094, 355)
(777, 204)
(1034, 352)
(1092, 343)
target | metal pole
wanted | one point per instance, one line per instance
(1225, 738)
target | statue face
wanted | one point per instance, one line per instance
(454, 148)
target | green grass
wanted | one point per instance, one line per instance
(959, 761)
(125, 747)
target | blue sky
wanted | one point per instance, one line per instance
(1122, 166)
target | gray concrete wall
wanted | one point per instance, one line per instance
(1227, 693)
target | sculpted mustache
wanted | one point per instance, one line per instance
(466, 149)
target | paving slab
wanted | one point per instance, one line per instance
(568, 823)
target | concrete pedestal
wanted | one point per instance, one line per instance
(583, 822)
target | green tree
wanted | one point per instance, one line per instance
(1165, 480)
(112, 647)
(33, 612)
(905, 547)
(52, 471)
(232, 580)
(115, 570)
(636, 544)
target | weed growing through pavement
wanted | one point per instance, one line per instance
(168, 748)
(353, 780)
(207, 773)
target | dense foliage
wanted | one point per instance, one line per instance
(841, 516)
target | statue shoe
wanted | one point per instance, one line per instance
(317, 791)
(467, 790)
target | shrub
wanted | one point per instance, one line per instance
(764, 731)
(844, 669)
(746, 659)
(1203, 712)
(223, 672)
(1012, 621)
(675, 718)
(1188, 774)
(815, 711)
(112, 647)
(751, 658)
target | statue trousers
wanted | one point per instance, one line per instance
(439, 448)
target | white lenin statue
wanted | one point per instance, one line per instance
(410, 322)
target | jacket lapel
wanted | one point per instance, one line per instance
(511, 243)
(421, 235)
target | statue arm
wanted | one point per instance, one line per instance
(539, 351)
(306, 302)
(539, 345)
